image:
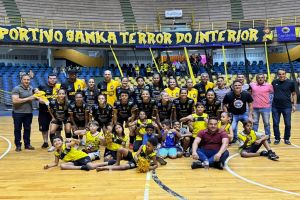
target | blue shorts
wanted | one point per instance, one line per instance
(164, 152)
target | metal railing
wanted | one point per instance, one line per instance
(151, 26)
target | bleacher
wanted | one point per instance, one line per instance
(147, 12)
(88, 11)
(9, 74)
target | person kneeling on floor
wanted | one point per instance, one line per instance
(251, 141)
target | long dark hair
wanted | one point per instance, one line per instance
(115, 132)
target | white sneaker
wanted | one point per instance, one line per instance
(82, 143)
(52, 148)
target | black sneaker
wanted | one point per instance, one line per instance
(276, 142)
(219, 165)
(269, 141)
(264, 153)
(18, 149)
(161, 160)
(186, 154)
(234, 140)
(45, 145)
(287, 142)
(196, 164)
(273, 156)
(84, 167)
(29, 147)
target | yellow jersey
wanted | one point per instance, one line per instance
(142, 131)
(92, 142)
(70, 155)
(226, 128)
(252, 136)
(144, 153)
(193, 94)
(110, 91)
(199, 123)
(117, 142)
(173, 93)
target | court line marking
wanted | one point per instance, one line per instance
(166, 188)
(254, 182)
(147, 186)
(8, 148)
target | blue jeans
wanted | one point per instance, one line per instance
(286, 113)
(205, 154)
(235, 120)
(20, 119)
(265, 113)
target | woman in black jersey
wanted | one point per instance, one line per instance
(182, 106)
(147, 104)
(58, 109)
(164, 107)
(102, 112)
(78, 111)
(124, 88)
(211, 104)
(137, 93)
(157, 87)
(91, 93)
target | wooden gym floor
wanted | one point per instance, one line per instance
(22, 175)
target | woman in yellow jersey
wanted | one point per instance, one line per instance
(224, 124)
(192, 92)
(74, 159)
(172, 89)
(93, 140)
(146, 151)
(119, 140)
(199, 121)
(140, 125)
(251, 141)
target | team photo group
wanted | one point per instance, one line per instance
(147, 124)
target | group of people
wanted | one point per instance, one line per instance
(198, 120)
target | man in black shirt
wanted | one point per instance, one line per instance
(236, 102)
(284, 102)
(123, 109)
(44, 117)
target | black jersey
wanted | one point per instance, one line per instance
(79, 112)
(91, 96)
(48, 94)
(147, 107)
(155, 91)
(72, 87)
(137, 92)
(102, 115)
(164, 111)
(183, 109)
(124, 110)
(212, 109)
(59, 111)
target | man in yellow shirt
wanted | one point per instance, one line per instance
(108, 87)
(203, 86)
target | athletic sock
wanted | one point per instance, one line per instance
(52, 135)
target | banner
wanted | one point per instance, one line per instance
(286, 33)
(64, 37)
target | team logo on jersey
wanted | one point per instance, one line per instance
(112, 87)
(238, 103)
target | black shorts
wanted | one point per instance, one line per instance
(102, 124)
(44, 120)
(111, 153)
(122, 120)
(82, 161)
(79, 124)
(130, 160)
(137, 144)
(60, 123)
(253, 148)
